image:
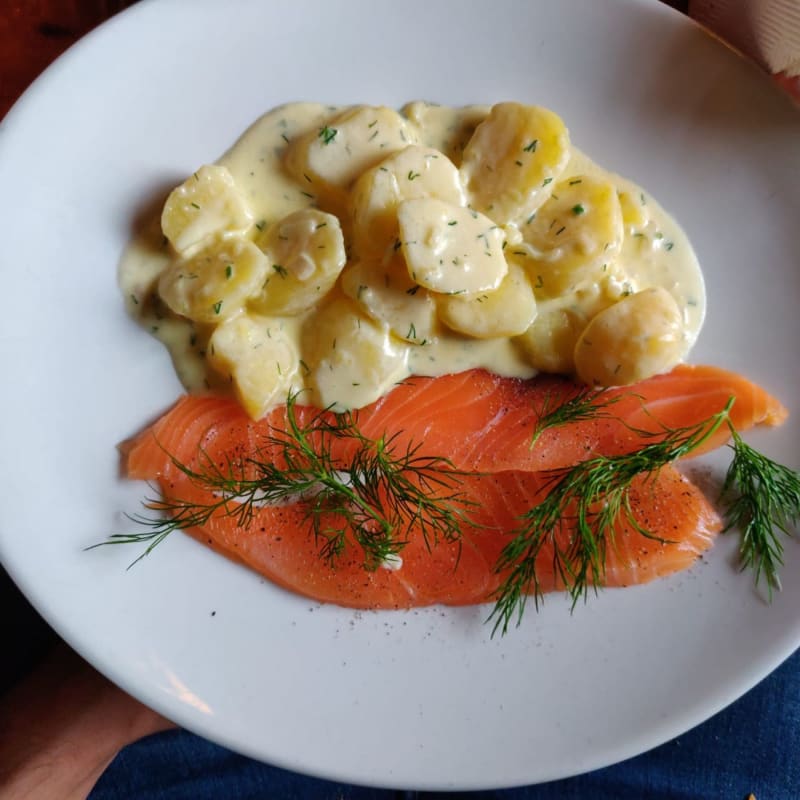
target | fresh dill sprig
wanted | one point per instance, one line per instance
(762, 501)
(375, 499)
(587, 404)
(586, 501)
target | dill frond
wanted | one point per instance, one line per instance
(587, 500)
(587, 404)
(762, 501)
(376, 500)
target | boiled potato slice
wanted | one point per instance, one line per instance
(414, 172)
(329, 159)
(507, 311)
(573, 237)
(511, 160)
(305, 254)
(258, 354)
(450, 249)
(215, 283)
(634, 210)
(388, 295)
(352, 359)
(206, 205)
(640, 336)
(441, 129)
(549, 343)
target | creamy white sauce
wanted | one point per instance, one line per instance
(655, 253)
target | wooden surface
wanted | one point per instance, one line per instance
(35, 32)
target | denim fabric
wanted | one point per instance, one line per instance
(752, 746)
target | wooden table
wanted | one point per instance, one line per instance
(33, 33)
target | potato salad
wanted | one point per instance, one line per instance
(336, 251)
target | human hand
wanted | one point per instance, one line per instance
(62, 726)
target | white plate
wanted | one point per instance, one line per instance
(419, 699)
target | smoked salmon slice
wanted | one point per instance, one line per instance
(279, 545)
(495, 416)
(483, 423)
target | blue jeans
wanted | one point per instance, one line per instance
(753, 746)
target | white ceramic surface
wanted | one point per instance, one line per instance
(418, 699)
